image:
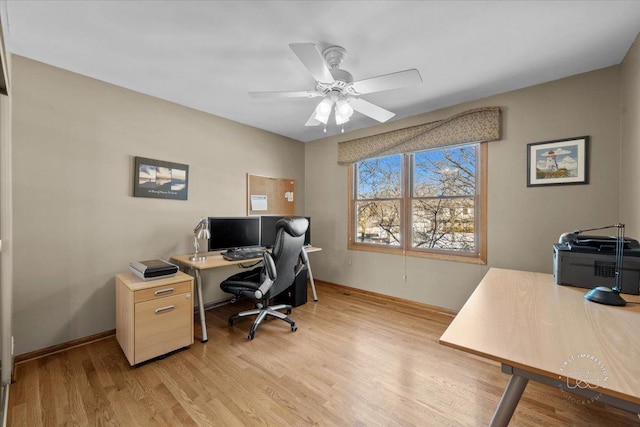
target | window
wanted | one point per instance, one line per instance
(379, 200)
(429, 203)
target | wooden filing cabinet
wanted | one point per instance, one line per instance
(153, 317)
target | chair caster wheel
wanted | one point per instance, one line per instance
(230, 323)
(294, 328)
(250, 335)
(288, 311)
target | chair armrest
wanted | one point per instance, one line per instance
(304, 257)
(303, 261)
(270, 275)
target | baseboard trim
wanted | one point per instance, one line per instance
(62, 347)
(410, 303)
(214, 304)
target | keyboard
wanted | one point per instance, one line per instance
(243, 254)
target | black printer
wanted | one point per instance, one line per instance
(585, 243)
(588, 261)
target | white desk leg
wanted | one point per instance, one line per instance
(509, 401)
(203, 323)
(305, 261)
(313, 285)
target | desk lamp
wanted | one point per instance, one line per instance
(200, 232)
(604, 294)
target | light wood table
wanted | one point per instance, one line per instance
(215, 260)
(549, 333)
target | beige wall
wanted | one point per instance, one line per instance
(76, 223)
(523, 223)
(630, 138)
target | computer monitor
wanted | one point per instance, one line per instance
(233, 232)
(268, 230)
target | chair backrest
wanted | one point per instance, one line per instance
(286, 251)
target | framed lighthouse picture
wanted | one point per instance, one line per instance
(558, 162)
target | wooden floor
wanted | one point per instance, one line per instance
(356, 360)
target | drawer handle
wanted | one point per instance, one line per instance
(164, 309)
(164, 291)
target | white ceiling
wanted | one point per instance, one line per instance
(208, 54)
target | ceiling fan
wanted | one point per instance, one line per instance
(337, 87)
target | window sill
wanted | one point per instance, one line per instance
(470, 259)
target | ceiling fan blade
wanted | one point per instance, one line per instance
(300, 94)
(312, 59)
(371, 110)
(312, 121)
(388, 81)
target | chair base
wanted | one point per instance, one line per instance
(262, 311)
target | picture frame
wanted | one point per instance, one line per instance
(558, 162)
(160, 179)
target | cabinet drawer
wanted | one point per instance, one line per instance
(163, 325)
(162, 291)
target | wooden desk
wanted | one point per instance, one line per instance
(549, 333)
(215, 260)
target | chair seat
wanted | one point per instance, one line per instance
(246, 282)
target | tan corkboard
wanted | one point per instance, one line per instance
(270, 196)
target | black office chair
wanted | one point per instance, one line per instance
(277, 273)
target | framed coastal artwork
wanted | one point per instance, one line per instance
(160, 179)
(558, 162)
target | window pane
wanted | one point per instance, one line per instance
(380, 178)
(446, 224)
(445, 172)
(378, 222)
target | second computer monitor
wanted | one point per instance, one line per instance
(268, 230)
(233, 232)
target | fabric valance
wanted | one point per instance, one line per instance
(477, 125)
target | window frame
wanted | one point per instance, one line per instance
(479, 256)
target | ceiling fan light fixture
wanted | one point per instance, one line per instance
(323, 110)
(343, 111)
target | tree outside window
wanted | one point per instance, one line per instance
(379, 197)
